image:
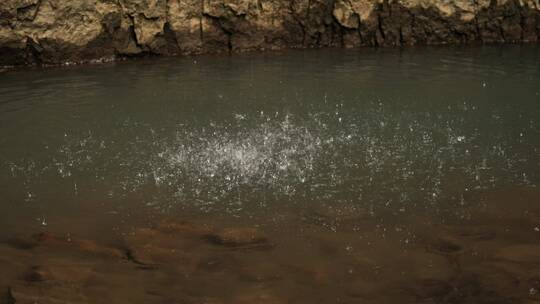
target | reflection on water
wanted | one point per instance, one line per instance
(371, 176)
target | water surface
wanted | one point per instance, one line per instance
(374, 176)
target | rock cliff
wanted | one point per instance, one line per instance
(55, 31)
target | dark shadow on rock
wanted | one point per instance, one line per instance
(131, 257)
(7, 297)
(238, 238)
(21, 243)
(47, 239)
(444, 246)
(463, 289)
(35, 274)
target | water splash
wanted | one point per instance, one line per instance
(373, 158)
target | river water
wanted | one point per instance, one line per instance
(318, 176)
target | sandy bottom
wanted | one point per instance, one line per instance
(322, 254)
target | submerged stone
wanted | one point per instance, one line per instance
(7, 297)
(523, 253)
(238, 237)
(185, 228)
(47, 239)
(259, 295)
(21, 243)
(165, 244)
(464, 288)
(218, 263)
(429, 289)
(61, 294)
(36, 274)
(445, 245)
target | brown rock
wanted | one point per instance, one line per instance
(167, 243)
(7, 297)
(183, 228)
(237, 238)
(523, 253)
(463, 288)
(144, 247)
(217, 263)
(260, 296)
(21, 243)
(57, 31)
(445, 246)
(28, 294)
(429, 289)
(47, 239)
(36, 274)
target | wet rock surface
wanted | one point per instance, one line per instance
(48, 240)
(54, 31)
(238, 238)
(523, 253)
(36, 274)
(7, 297)
(176, 261)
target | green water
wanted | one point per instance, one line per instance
(362, 167)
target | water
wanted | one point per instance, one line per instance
(375, 176)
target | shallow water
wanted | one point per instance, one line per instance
(367, 176)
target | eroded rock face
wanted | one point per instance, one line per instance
(56, 31)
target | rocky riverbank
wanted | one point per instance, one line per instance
(56, 31)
